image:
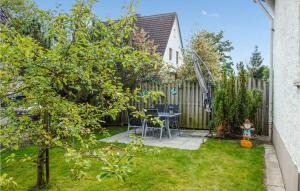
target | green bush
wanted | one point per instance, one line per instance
(233, 102)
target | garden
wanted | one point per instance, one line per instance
(63, 74)
(218, 165)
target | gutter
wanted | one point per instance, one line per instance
(271, 75)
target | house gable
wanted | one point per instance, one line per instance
(175, 45)
(164, 30)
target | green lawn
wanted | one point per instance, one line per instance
(217, 165)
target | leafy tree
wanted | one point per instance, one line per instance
(255, 67)
(142, 42)
(223, 47)
(72, 83)
(186, 71)
(212, 49)
(26, 18)
(266, 73)
(150, 70)
(156, 70)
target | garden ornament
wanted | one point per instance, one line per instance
(173, 91)
(247, 134)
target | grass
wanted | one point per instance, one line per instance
(217, 165)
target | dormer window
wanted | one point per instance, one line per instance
(170, 54)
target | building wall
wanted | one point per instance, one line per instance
(286, 111)
(176, 45)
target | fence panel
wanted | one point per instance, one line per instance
(261, 117)
(189, 97)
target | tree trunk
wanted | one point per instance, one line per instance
(47, 124)
(40, 182)
(43, 159)
(47, 166)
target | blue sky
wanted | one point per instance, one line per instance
(242, 21)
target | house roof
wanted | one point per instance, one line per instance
(158, 28)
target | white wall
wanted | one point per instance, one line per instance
(176, 45)
(286, 71)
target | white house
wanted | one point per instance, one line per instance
(285, 18)
(164, 30)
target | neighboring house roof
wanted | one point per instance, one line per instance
(158, 28)
(3, 17)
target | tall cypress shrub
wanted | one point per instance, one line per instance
(242, 109)
(234, 102)
(231, 102)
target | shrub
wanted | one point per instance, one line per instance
(233, 102)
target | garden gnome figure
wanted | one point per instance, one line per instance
(247, 133)
(247, 129)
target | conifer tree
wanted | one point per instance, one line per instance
(255, 67)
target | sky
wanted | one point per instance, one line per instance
(242, 21)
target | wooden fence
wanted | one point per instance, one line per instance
(189, 97)
(262, 114)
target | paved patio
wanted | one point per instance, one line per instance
(187, 140)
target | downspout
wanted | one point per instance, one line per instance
(271, 75)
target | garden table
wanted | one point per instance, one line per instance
(167, 116)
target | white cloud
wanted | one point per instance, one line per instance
(205, 13)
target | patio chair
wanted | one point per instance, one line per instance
(174, 122)
(152, 113)
(161, 107)
(135, 123)
(174, 107)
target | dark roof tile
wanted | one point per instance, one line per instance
(158, 28)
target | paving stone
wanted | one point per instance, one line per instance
(273, 178)
(180, 142)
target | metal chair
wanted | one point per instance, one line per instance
(161, 107)
(174, 122)
(135, 123)
(174, 107)
(152, 113)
